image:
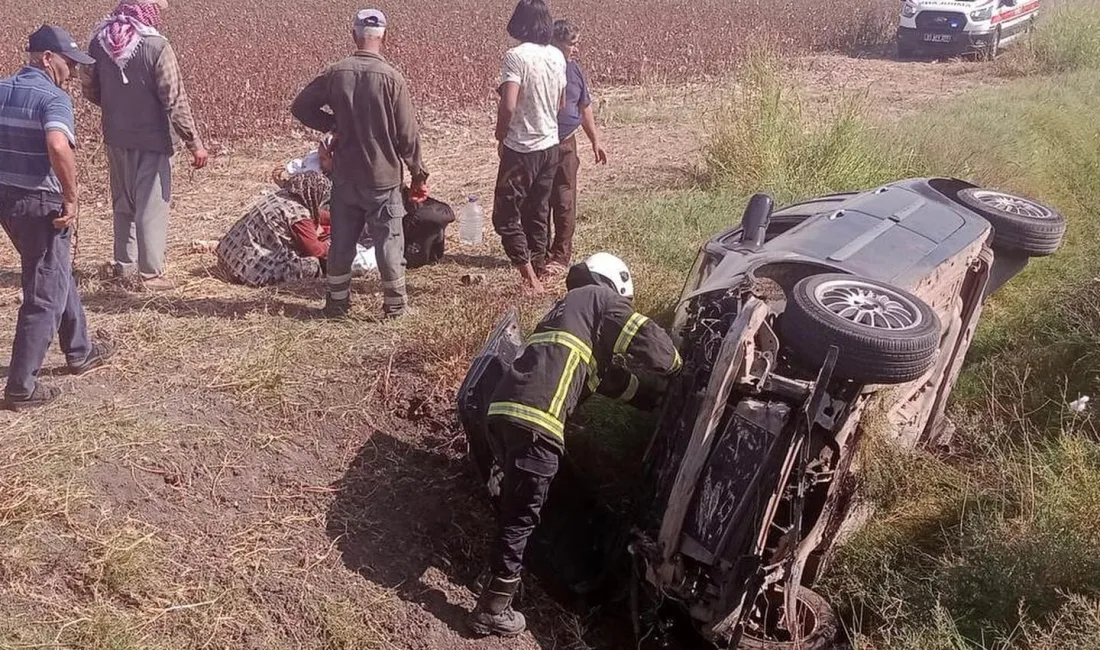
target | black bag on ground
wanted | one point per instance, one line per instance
(425, 228)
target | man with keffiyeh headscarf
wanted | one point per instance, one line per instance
(136, 81)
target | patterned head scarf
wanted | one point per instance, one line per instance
(122, 31)
(311, 190)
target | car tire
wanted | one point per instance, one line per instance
(821, 637)
(884, 335)
(1019, 224)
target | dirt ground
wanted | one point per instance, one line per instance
(245, 475)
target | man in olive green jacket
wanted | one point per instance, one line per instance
(376, 137)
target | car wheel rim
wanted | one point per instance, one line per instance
(1013, 205)
(868, 304)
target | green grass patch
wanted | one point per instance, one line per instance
(762, 140)
(996, 546)
(1066, 42)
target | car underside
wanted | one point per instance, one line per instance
(803, 330)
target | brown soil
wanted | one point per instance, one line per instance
(244, 475)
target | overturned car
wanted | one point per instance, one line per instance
(794, 327)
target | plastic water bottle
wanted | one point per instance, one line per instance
(469, 222)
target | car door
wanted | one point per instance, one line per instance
(488, 367)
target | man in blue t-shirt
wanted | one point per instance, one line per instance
(576, 115)
(38, 211)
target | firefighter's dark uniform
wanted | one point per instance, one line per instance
(591, 341)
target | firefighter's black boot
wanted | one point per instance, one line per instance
(494, 613)
(336, 308)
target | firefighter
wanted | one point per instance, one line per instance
(591, 341)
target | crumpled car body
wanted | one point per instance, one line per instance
(803, 330)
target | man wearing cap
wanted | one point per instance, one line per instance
(376, 136)
(137, 83)
(38, 207)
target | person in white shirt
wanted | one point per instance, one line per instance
(532, 92)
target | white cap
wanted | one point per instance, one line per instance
(369, 22)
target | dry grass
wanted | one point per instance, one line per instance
(1064, 43)
(197, 493)
(244, 475)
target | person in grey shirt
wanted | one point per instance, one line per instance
(137, 83)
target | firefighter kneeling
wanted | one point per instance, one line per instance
(591, 341)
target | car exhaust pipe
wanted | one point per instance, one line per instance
(754, 222)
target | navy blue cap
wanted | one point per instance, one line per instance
(49, 38)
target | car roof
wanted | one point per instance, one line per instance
(897, 233)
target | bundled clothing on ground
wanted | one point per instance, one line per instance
(425, 227)
(137, 82)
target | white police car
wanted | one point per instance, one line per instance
(940, 27)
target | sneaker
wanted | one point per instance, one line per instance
(97, 358)
(123, 271)
(336, 308)
(41, 396)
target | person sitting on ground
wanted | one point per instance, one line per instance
(283, 236)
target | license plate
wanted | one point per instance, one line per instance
(937, 38)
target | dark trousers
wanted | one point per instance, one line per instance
(51, 304)
(380, 212)
(529, 463)
(563, 203)
(521, 204)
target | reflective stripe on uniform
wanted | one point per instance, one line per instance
(678, 362)
(522, 412)
(576, 345)
(558, 403)
(340, 295)
(631, 390)
(339, 279)
(630, 330)
(399, 283)
(564, 338)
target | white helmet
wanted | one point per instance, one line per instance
(614, 269)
